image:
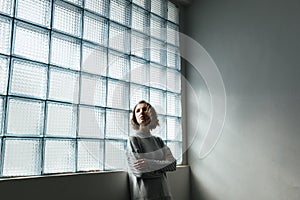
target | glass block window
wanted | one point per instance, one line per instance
(71, 71)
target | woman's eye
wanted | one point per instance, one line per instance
(138, 110)
(144, 109)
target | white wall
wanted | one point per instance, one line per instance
(256, 45)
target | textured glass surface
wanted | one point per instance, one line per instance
(95, 29)
(120, 11)
(38, 11)
(25, 117)
(174, 129)
(67, 18)
(117, 94)
(173, 80)
(59, 156)
(138, 93)
(176, 149)
(99, 7)
(173, 13)
(140, 19)
(172, 34)
(118, 66)
(157, 52)
(77, 2)
(174, 104)
(158, 27)
(160, 130)
(21, 157)
(90, 155)
(91, 122)
(6, 6)
(115, 155)
(158, 7)
(117, 123)
(158, 76)
(142, 3)
(63, 85)
(140, 45)
(29, 79)
(119, 38)
(1, 115)
(65, 51)
(94, 59)
(93, 90)
(5, 33)
(173, 57)
(158, 100)
(31, 42)
(61, 120)
(139, 70)
(4, 61)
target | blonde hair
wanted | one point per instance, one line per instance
(152, 113)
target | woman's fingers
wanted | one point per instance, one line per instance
(140, 164)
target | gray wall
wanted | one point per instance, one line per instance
(89, 186)
(256, 45)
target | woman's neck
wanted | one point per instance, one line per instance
(144, 129)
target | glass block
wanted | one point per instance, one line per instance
(94, 59)
(174, 130)
(4, 62)
(99, 7)
(176, 149)
(139, 71)
(118, 66)
(91, 122)
(158, 76)
(7, 7)
(140, 19)
(29, 79)
(157, 52)
(161, 130)
(90, 155)
(95, 29)
(158, 7)
(157, 27)
(61, 120)
(140, 45)
(115, 157)
(173, 13)
(22, 157)
(1, 115)
(5, 35)
(63, 85)
(174, 104)
(67, 18)
(173, 80)
(77, 2)
(118, 94)
(142, 3)
(38, 12)
(59, 156)
(93, 90)
(31, 42)
(173, 34)
(120, 11)
(65, 52)
(138, 93)
(158, 100)
(173, 57)
(119, 38)
(117, 122)
(25, 117)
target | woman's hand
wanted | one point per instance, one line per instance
(141, 164)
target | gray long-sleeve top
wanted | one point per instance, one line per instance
(150, 183)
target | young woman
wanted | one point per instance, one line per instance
(148, 157)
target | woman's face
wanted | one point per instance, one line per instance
(142, 114)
